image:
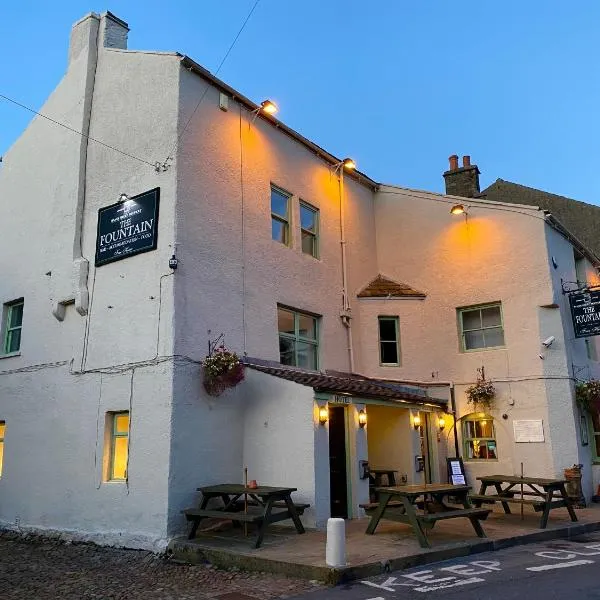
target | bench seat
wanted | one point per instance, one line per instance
(478, 513)
(538, 504)
(370, 506)
(193, 514)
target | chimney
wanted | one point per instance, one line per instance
(84, 36)
(113, 32)
(462, 181)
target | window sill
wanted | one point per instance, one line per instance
(10, 355)
(479, 460)
(390, 364)
(491, 348)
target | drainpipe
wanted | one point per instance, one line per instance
(345, 314)
(453, 405)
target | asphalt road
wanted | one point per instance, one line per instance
(569, 570)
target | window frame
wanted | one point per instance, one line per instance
(7, 330)
(284, 219)
(315, 233)
(396, 321)
(473, 418)
(593, 435)
(114, 434)
(297, 337)
(461, 331)
(2, 437)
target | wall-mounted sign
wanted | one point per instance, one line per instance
(127, 228)
(528, 431)
(585, 311)
(335, 399)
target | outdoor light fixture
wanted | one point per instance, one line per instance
(348, 163)
(362, 418)
(269, 107)
(441, 422)
(124, 198)
(458, 209)
(323, 415)
(417, 421)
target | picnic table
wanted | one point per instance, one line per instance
(376, 480)
(542, 494)
(262, 505)
(423, 515)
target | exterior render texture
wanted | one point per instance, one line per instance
(339, 292)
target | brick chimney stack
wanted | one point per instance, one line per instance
(462, 181)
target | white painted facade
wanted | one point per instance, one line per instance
(128, 336)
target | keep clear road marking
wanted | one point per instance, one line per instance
(573, 563)
(567, 556)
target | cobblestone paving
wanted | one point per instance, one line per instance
(40, 569)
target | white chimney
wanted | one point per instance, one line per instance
(84, 36)
(113, 31)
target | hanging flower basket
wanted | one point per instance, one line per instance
(481, 394)
(587, 393)
(222, 370)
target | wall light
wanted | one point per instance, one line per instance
(362, 418)
(441, 422)
(348, 163)
(124, 198)
(269, 107)
(323, 415)
(458, 209)
(417, 421)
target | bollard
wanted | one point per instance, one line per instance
(335, 550)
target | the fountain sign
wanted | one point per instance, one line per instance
(127, 228)
(585, 311)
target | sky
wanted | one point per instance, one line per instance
(397, 85)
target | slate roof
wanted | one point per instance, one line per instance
(580, 218)
(347, 383)
(382, 287)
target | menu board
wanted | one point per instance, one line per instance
(528, 431)
(456, 471)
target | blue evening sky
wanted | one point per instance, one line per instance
(397, 85)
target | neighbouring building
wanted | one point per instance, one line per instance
(185, 215)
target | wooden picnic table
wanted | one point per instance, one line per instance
(432, 508)
(264, 505)
(542, 494)
(376, 476)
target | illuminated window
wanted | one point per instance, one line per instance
(595, 414)
(12, 324)
(280, 215)
(309, 229)
(298, 341)
(481, 327)
(118, 446)
(479, 437)
(2, 429)
(389, 341)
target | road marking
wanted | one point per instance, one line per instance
(562, 565)
(432, 588)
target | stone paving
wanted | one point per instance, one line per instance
(40, 568)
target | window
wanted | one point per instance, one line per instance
(389, 347)
(481, 327)
(13, 322)
(309, 229)
(595, 413)
(2, 429)
(298, 344)
(119, 445)
(479, 438)
(280, 216)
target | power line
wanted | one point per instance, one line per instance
(39, 114)
(170, 155)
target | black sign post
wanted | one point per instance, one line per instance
(127, 228)
(585, 311)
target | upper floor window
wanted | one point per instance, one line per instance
(2, 429)
(280, 215)
(479, 437)
(481, 327)
(298, 338)
(595, 427)
(118, 446)
(12, 325)
(309, 228)
(389, 341)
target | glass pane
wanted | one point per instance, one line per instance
(279, 203)
(469, 429)
(491, 449)
(490, 317)
(597, 441)
(470, 450)
(471, 319)
(494, 337)
(1, 456)
(16, 315)
(119, 470)
(484, 428)
(307, 326)
(287, 355)
(121, 423)
(387, 330)
(13, 340)
(307, 356)
(389, 352)
(285, 321)
(596, 420)
(474, 340)
(308, 218)
(309, 243)
(279, 231)
(2, 428)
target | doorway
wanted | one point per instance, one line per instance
(425, 435)
(338, 478)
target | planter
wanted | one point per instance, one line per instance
(216, 385)
(574, 491)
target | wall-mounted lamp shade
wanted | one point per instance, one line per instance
(123, 197)
(349, 164)
(416, 421)
(269, 107)
(362, 418)
(457, 209)
(323, 415)
(441, 422)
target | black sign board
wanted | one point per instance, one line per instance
(585, 311)
(456, 471)
(127, 228)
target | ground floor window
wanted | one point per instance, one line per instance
(595, 414)
(118, 445)
(479, 437)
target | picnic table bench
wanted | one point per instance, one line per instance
(542, 494)
(433, 508)
(263, 506)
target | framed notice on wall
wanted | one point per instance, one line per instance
(528, 431)
(127, 228)
(456, 471)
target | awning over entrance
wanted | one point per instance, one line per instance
(351, 384)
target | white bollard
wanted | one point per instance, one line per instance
(335, 549)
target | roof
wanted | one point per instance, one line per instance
(347, 383)
(579, 218)
(382, 287)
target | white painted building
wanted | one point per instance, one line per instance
(105, 428)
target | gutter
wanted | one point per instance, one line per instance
(558, 226)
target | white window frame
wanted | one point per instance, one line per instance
(461, 329)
